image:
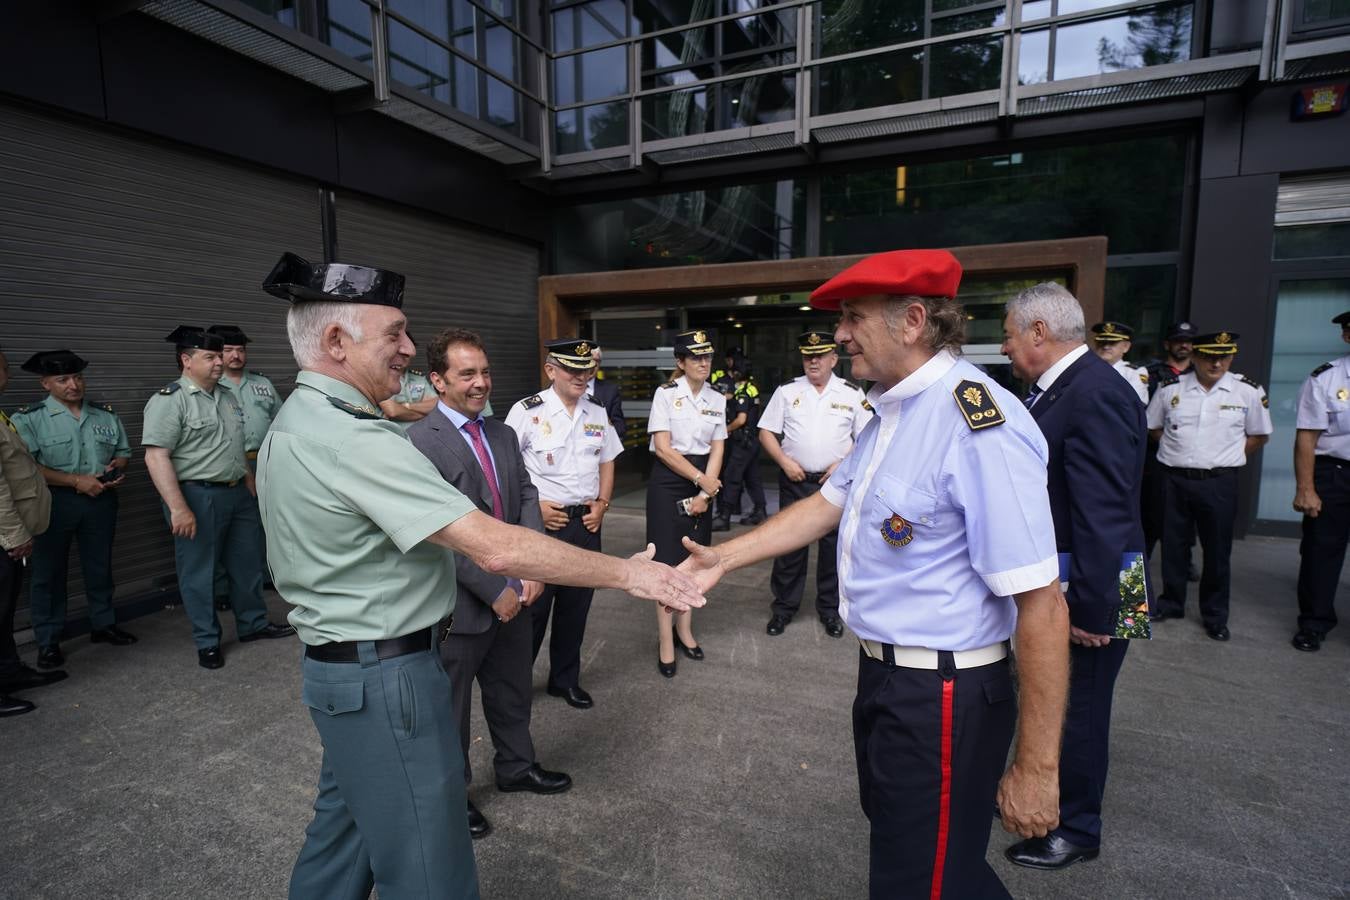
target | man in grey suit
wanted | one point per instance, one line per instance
(489, 639)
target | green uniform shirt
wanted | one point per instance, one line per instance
(82, 446)
(258, 398)
(347, 503)
(204, 433)
(413, 387)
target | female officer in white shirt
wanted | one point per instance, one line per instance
(688, 427)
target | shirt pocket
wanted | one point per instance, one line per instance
(333, 698)
(57, 453)
(548, 451)
(919, 508)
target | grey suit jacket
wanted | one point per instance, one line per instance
(452, 456)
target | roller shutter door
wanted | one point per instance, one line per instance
(107, 241)
(457, 277)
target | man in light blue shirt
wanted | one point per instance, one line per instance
(946, 547)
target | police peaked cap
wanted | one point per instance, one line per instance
(916, 273)
(190, 337)
(815, 343)
(297, 280)
(232, 335)
(1180, 331)
(1111, 332)
(54, 362)
(693, 343)
(572, 353)
(1221, 343)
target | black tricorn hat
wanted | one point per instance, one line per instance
(54, 362)
(232, 335)
(190, 337)
(296, 279)
(1342, 320)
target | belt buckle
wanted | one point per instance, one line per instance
(443, 630)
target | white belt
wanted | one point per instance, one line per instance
(923, 658)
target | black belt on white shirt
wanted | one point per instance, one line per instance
(1200, 474)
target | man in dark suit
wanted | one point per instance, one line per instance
(606, 393)
(1097, 436)
(489, 639)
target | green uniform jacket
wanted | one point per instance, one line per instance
(82, 446)
(203, 432)
(258, 398)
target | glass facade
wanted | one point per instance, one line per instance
(1150, 36)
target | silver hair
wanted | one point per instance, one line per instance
(1052, 304)
(305, 324)
(944, 323)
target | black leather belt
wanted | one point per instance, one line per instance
(814, 476)
(214, 484)
(576, 512)
(1198, 474)
(346, 651)
(1332, 460)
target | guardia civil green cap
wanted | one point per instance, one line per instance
(54, 362)
(813, 343)
(693, 343)
(572, 353)
(296, 279)
(190, 337)
(232, 335)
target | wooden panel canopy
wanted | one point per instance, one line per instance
(1081, 260)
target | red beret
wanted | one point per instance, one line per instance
(920, 273)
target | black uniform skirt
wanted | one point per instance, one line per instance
(665, 524)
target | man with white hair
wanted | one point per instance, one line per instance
(1094, 425)
(359, 525)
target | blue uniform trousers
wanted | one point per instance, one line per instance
(228, 529)
(1322, 550)
(1087, 736)
(390, 808)
(1206, 507)
(569, 607)
(788, 578)
(92, 521)
(931, 747)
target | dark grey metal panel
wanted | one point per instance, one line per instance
(457, 277)
(106, 242)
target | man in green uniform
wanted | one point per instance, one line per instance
(359, 522)
(258, 398)
(82, 451)
(415, 398)
(194, 440)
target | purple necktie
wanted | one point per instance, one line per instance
(475, 430)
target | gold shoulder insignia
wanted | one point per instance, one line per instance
(977, 405)
(532, 402)
(170, 388)
(104, 406)
(350, 409)
(1143, 375)
(867, 406)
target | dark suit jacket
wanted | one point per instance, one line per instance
(458, 464)
(607, 395)
(1095, 426)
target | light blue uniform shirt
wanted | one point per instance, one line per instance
(974, 523)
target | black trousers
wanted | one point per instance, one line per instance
(1152, 499)
(570, 606)
(500, 660)
(1323, 546)
(11, 581)
(788, 581)
(1209, 505)
(741, 471)
(931, 747)
(1087, 735)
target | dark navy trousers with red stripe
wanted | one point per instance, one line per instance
(931, 747)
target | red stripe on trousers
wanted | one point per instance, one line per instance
(945, 796)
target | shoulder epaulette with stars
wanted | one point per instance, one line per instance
(256, 372)
(354, 410)
(413, 371)
(30, 408)
(667, 385)
(98, 404)
(1320, 369)
(1245, 380)
(1168, 377)
(171, 387)
(977, 405)
(854, 385)
(532, 402)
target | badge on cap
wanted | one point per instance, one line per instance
(896, 531)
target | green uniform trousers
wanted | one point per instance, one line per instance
(228, 529)
(92, 521)
(390, 812)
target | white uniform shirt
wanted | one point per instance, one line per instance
(944, 518)
(1324, 405)
(1137, 376)
(563, 452)
(1208, 429)
(818, 427)
(693, 422)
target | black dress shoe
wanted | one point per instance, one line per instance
(695, 652)
(537, 780)
(667, 669)
(479, 826)
(268, 631)
(574, 696)
(210, 658)
(13, 706)
(27, 677)
(721, 523)
(1160, 615)
(112, 635)
(756, 516)
(1307, 641)
(50, 657)
(833, 627)
(1218, 634)
(777, 624)
(1049, 852)
(223, 604)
